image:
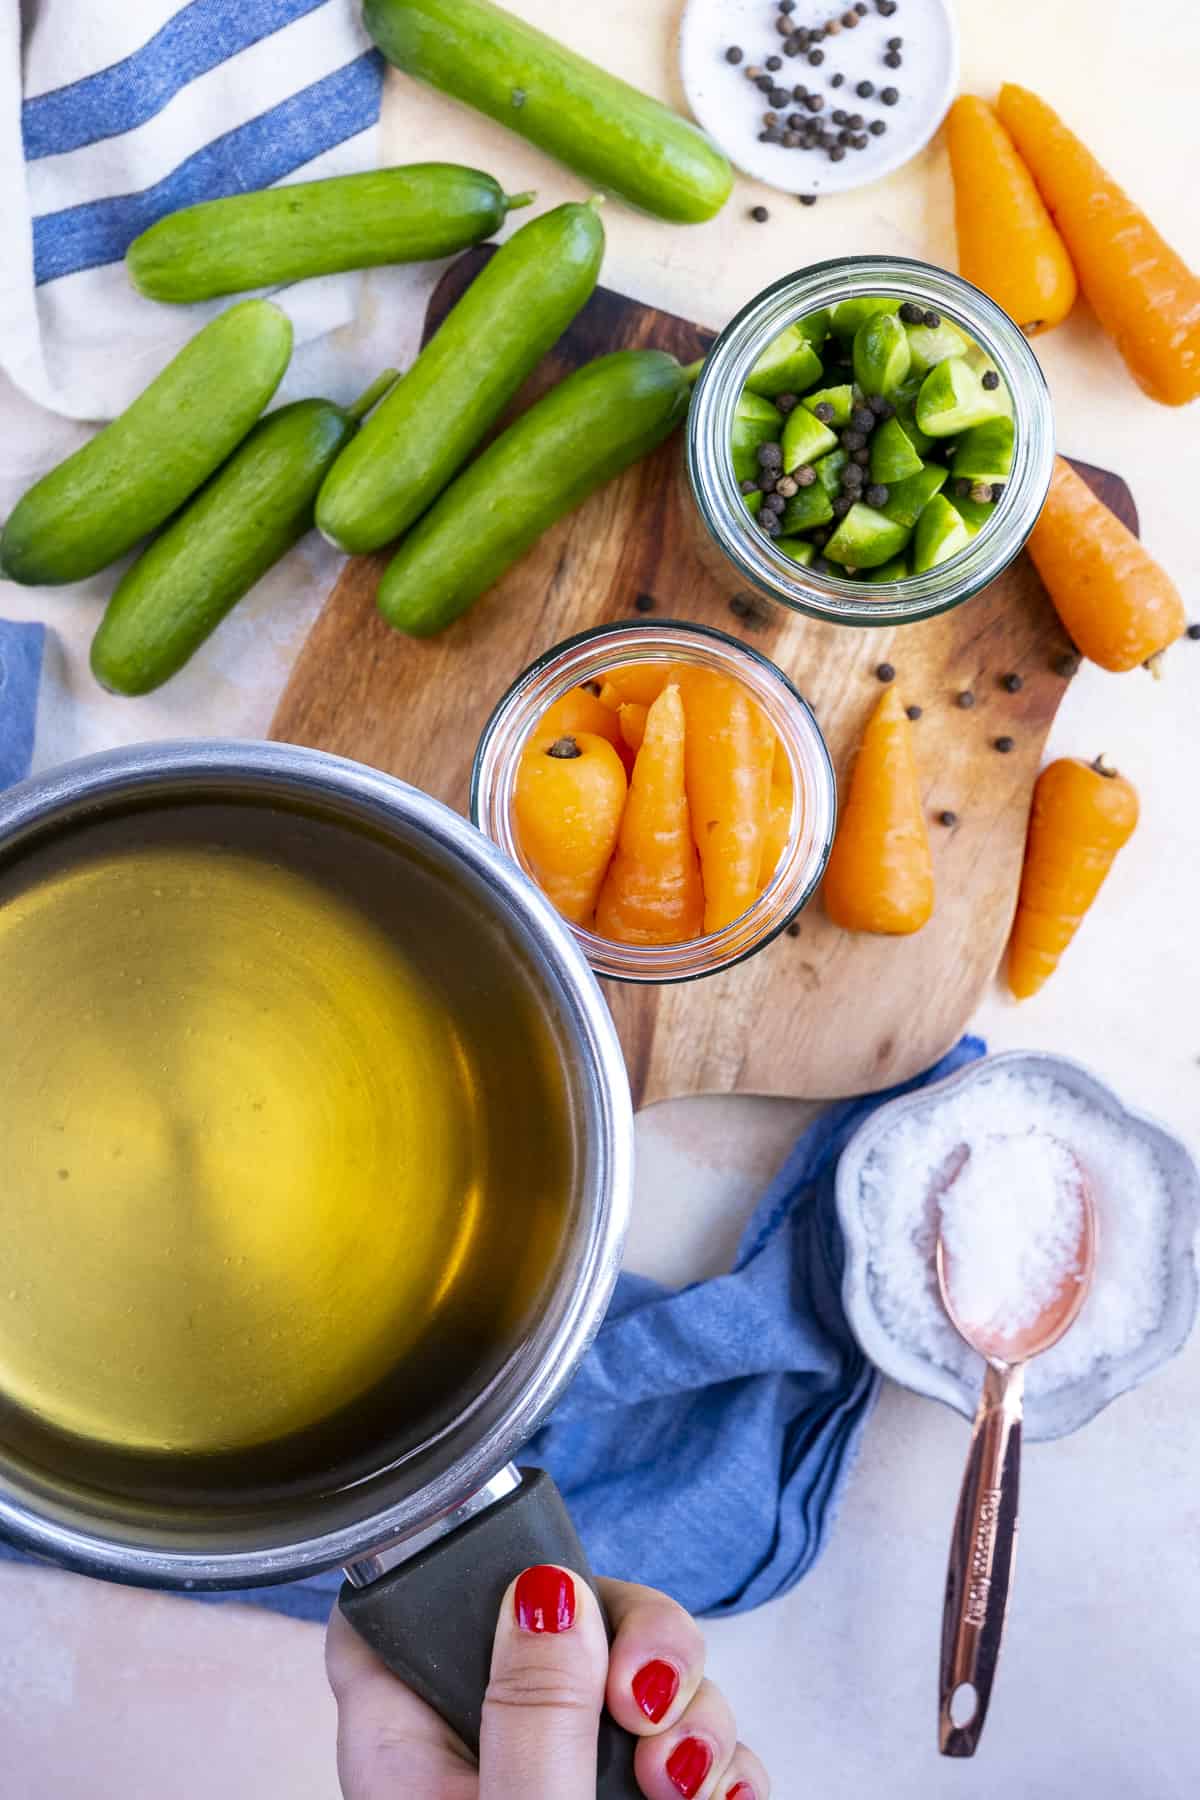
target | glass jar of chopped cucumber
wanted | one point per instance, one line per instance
(870, 440)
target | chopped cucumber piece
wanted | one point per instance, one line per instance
(804, 439)
(952, 399)
(848, 315)
(809, 507)
(799, 549)
(881, 354)
(788, 365)
(815, 326)
(905, 402)
(840, 398)
(866, 539)
(932, 344)
(896, 570)
(908, 499)
(985, 452)
(940, 534)
(975, 514)
(892, 454)
(983, 365)
(753, 503)
(755, 422)
(829, 470)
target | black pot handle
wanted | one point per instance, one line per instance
(432, 1619)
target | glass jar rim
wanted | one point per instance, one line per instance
(838, 599)
(572, 661)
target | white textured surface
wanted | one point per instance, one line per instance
(835, 1684)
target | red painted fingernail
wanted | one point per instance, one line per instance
(654, 1688)
(688, 1764)
(741, 1791)
(545, 1599)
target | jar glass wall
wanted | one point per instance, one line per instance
(814, 802)
(831, 596)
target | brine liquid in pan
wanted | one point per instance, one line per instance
(284, 1151)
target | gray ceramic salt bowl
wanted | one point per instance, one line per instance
(1064, 1410)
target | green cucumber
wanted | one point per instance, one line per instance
(896, 570)
(436, 415)
(808, 507)
(805, 439)
(243, 520)
(908, 499)
(940, 534)
(135, 473)
(881, 354)
(848, 315)
(829, 471)
(953, 398)
(753, 502)
(905, 402)
(411, 214)
(615, 137)
(892, 455)
(866, 538)
(815, 326)
(840, 398)
(985, 452)
(755, 422)
(930, 344)
(578, 435)
(798, 549)
(788, 365)
(975, 514)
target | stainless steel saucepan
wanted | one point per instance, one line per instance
(453, 1514)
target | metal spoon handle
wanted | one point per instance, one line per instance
(983, 1550)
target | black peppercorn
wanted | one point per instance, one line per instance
(799, 92)
(774, 62)
(883, 409)
(849, 20)
(893, 59)
(878, 495)
(844, 137)
(855, 121)
(885, 8)
(853, 440)
(1193, 631)
(836, 80)
(771, 525)
(1005, 744)
(787, 6)
(733, 54)
(814, 102)
(644, 603)
(877, 127)
(991, 380)
(842, 505)
(807, 199)
(932, 319)
(852, 477)
(862, 457)
(885, 672)
(823, 411)
(860, 7)
(966, 700)
(772, 135)
(783, 26)
(779, 96)
(947, 818)
(816, 58)
(786, 403)
(774, 503)
(796, 121)
(997, 489)
(793, 930)
(889, 95)
(865, 89)
(911, 313)
(770, 456)
(839, 115)
(859, 141)
(764, 84)
(913, 712)
(862, 419)
(1012, 684)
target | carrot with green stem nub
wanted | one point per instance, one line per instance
(1118, 605)
(1142, 291)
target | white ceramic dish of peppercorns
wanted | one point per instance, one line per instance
(819, 96)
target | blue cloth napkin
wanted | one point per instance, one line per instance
(116, 112)
(22, 652)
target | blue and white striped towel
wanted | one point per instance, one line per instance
(115, 112)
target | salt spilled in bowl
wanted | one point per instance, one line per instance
(1146, 1193)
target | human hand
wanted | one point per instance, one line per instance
(552, 1672)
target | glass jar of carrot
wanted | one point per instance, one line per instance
(674, 868)
(816, 292)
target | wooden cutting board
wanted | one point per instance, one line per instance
(815, 1015)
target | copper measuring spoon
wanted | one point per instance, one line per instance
(983, 1544)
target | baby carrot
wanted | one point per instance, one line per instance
(1082, 814)
(567, 805)
(778, 827)
(880, 873)
(580, 710)
(633, 723)
(1118, 605)
(642, 682)
(1007, 244)
(729, 752)
(1142, 291)
(652, 892)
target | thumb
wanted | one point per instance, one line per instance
(541, 1712)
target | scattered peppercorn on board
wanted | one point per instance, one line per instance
(820, 1014)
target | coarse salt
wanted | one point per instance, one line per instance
(901, 1199)
(1011, 1221)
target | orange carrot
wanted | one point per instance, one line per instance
(1007, 244)
(880, 873)
(642, 682)
(1082, 814)
(778, 828)
(730, 747)
(633, 723)
(580, 710)
(652, 892)
(1118, 605)
(567, 804)
(1141, 290)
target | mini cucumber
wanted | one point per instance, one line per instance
(414, 443)
(617, 138)
(584, 431)
(135, 473)
(410, 214)
(243, 520)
